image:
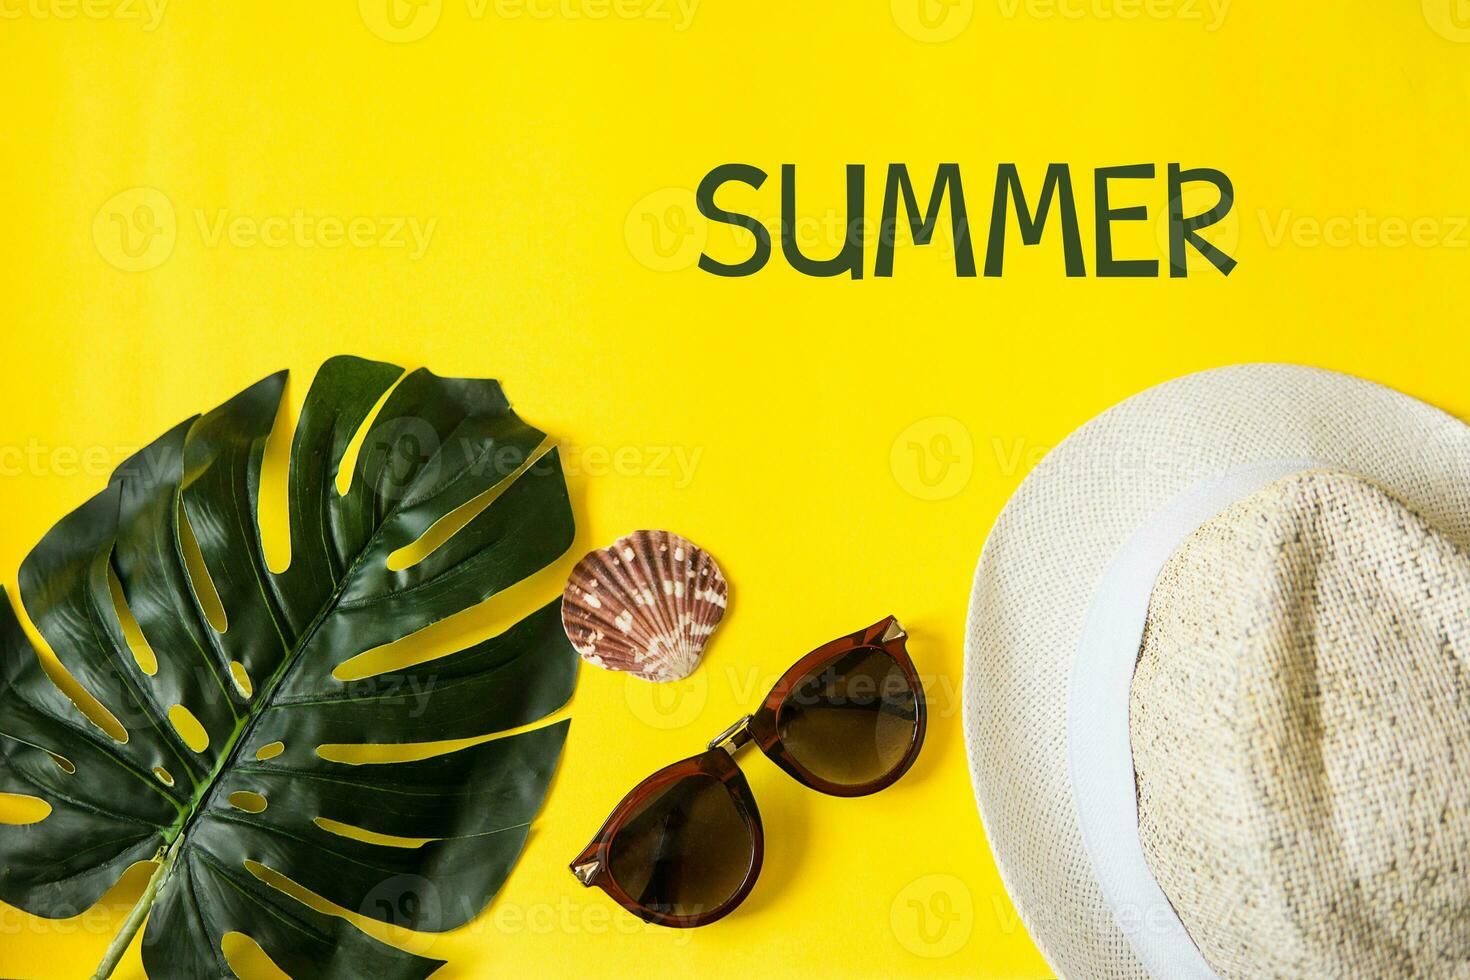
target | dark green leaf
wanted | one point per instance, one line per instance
(435, 446)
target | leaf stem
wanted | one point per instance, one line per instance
(124, 939)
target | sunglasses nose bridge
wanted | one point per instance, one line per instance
(733, 737)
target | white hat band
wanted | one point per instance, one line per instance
(1099, 748)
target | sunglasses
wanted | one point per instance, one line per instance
(684, 848)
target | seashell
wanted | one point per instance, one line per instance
(647, 605)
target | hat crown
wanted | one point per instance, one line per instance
(1300, 721)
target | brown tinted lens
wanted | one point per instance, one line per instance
(685, 851)
(852, 720)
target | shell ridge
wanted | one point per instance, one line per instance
(647, 604)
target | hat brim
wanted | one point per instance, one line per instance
(1050, 546)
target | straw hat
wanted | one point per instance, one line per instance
(1217, 685)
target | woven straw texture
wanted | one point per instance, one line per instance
(1300, 722)
(1050, 546)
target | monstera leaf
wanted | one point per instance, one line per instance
(259, 803)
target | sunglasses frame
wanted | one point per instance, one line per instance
(762, 727)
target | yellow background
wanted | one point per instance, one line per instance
(817, 420)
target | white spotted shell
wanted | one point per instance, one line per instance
(647, 605)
